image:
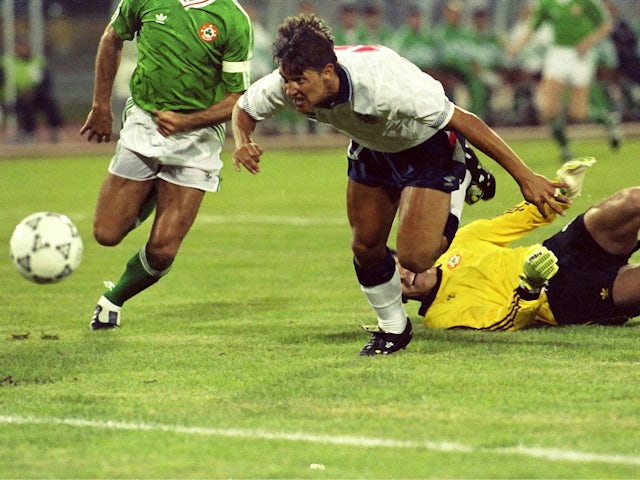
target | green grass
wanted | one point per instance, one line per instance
(242, 362)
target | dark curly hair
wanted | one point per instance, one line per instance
(304, 42)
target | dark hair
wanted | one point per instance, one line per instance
(304, 42)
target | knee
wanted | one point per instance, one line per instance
(160, 257)
(631, 198)
(106, 237)
(367, 253)
(417, 261)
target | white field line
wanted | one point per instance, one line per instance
(363, 442)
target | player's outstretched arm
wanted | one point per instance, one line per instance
(100, 119)
(247, 152)
(535, 188)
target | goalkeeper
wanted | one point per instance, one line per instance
(579, 275)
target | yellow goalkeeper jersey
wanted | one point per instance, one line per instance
(480, 276)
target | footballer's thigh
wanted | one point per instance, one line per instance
(176, 210)
(423, 214)
(579, 103)
(119, 202)
(371, 211)
(615, 221)
(626, 294)
(549, 97)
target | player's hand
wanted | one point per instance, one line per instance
(99, 125)
(169, 122)
(544, 193)
(538, 268)
(247, 155)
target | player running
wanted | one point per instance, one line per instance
(405, 154)
(193, 64)
(579, 275)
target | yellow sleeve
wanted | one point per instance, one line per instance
(507, 227)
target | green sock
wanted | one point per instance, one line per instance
(558, 131)
(138, 276)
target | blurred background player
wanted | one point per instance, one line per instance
(193, 64)
(578, 25)
(406, 154)
(579, 275)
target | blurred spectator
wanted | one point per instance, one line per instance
(305, 8)
(604, 94)
(413, 41)
(346, 30)
(525, 69)
(34, 93)
(375, 29)
(453, 40)
(627, 48)
(262, 61)
(486, 61)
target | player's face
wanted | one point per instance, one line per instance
(309, 88)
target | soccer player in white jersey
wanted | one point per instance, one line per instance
(193, 64)
(404, 155)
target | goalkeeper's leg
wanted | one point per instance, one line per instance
(614, 224)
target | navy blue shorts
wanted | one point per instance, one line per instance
(428, 165)
(581, 291)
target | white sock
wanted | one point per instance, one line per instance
(386, 301)
(457, 196)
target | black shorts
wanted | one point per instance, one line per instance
(428, 165)
(581, 291)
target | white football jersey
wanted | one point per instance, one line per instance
(392, 105)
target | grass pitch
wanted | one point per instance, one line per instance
(243, 362)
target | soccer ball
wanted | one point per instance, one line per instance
(46, 247)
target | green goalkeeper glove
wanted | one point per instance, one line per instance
(540, 265)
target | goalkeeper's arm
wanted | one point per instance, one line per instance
(539, 266)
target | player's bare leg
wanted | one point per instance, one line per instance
(550, 102)
(177, 208)
(423, 214)
(371, 212)
(119, 203)
(614, 224)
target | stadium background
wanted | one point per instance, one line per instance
(72, 29)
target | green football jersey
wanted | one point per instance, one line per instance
(190, 52)
(571, 20)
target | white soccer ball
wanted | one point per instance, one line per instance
(46, 247)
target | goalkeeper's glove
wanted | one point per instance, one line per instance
(540, 265)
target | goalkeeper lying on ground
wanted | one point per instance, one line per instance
(579, 275)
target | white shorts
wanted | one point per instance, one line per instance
(190, 159)
(132, 165)
(565, 65)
